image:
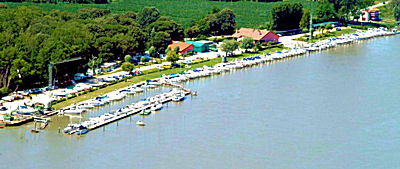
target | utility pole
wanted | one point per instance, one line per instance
(50, 75)
(311, 33)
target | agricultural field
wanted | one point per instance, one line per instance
(248, 14)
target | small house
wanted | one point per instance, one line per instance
(370, 14)
(199, 46)
(183, 46)
(256, 34)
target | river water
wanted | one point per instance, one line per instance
(334, 109)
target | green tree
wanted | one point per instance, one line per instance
(325, 11)
(225, 22)
(168, 49)
(247, 43)
(228, 46)
(142, 59)
(169, 26)
(160, 41)
(257, 47)
(329, 26)
(92, 64)
(396, 12)
(127, 66)
(192, 32)
(172, 56)
(305, 20)
(127, 58)
(152, 51)
(176, 50)
(286, 16)
(147, 15)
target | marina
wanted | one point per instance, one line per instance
(171, 80)
(337, 103)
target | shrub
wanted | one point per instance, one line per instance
(127, 66)
(4, 91)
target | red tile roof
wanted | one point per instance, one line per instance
(252, 33)
(182, 45)
(373, 10)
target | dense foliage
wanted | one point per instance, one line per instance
(216, 23)
(325, 12)
(395, 4)
(305, 20)
(286, 16)
(346, 8)
(30, 39)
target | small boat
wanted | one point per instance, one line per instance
(156, 107)
(145, 112)
(82, 130)
(2, 125)
(178, 98)
(75, 111)
(138, 89)
(140, 123)
(34, 131)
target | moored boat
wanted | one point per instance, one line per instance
(140, 123)
(145, 112)
(156, 107)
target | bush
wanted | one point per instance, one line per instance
(128, 58)
(201, 37)
(127, 66)
(4, 91)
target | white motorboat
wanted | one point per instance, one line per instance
(140, 123)
(137, 89)
(156, 107)
(127, 91)
(178, 98)
(74, 111)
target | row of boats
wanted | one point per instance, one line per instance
(144, 107)
(147, 105)
(249, 61)
(117, 95)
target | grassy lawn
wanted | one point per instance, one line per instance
(386, 14)
(248, 14)
(326, 35)
(155, 73)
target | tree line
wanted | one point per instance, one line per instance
(288, 15)
(31, 38)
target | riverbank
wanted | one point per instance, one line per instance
(240, 59)
(155, 73)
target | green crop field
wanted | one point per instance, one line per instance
(248, 14)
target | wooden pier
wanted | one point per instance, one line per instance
(135, 111)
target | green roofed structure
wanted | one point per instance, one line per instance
(199, 46)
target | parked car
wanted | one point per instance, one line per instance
(8, 98)
(3, 108)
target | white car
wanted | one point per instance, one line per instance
(8, 98)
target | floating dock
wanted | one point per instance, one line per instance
(134, 111)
